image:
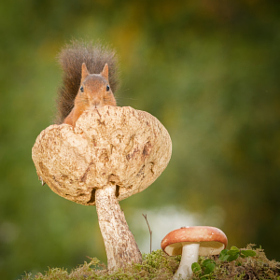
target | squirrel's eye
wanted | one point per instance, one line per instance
(107, 88)
(82, 89)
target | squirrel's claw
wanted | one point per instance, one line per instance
(42, 181)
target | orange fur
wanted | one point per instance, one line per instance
(94, 92)
(83, 62)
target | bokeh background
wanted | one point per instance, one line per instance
(208, 70)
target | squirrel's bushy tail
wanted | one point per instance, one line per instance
(71, 59)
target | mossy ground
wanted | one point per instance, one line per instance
(158, 265)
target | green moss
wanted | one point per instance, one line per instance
(159, 266)
(242, 266)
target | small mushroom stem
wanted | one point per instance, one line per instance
(120, 245)
(189, 256)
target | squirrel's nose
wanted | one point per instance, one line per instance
(95, 103)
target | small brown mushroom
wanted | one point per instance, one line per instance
(190, 242)
(111, 154)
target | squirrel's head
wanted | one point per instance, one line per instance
(95, 90)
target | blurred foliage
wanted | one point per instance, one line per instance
(208, 70)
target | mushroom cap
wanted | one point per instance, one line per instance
(109, 145)
(211, 239)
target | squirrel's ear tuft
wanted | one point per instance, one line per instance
(85, 72)
(105, 72)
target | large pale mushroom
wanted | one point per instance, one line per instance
(111, 154)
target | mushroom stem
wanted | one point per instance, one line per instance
(189, 256)
(120, 245)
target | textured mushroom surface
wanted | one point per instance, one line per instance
(211, 239)
(108, 146)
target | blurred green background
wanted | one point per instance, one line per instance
(208, 70)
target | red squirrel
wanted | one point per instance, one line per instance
(90, 78)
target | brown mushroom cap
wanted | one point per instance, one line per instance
(112, 145)
(212, 240)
